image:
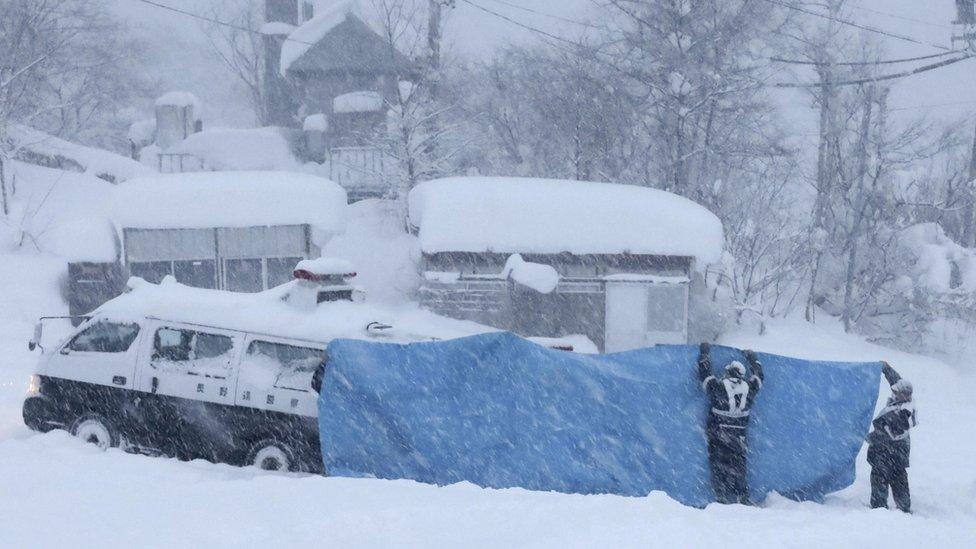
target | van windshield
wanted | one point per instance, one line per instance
(105, 337)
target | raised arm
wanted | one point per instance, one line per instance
(704, 365)
(890, 374)
(755, 366)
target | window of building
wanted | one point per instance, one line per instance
(243, 275)
(281, 269)
(306, 10)
(284, 366)
(199, 273)
(105, 337)
(193, 352)
(151, 271)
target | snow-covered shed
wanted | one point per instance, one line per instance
(623, 257)
(239, 231)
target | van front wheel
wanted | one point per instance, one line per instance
(271, 455)
(96, 430)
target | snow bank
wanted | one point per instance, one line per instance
(313, 30)
(936, 256)
(230, 199)
(39, 148)
(524, 215)
(541, 278)
(360, 101)
(267, 312)
(499, 411)
(240, 149)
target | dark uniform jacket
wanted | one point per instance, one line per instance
(889, 444)
(731, 399)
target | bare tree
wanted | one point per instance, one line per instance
(240, 47)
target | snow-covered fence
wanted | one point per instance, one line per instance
(362, 171)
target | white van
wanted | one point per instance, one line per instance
(185, 390)
(223, 376)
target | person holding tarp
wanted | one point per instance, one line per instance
(889, 444)
(730, 399)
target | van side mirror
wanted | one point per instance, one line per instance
(317, 378)
(35, 340)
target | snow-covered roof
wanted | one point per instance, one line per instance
(525, 215)
(181, 99)
(313, 30)
(62, 154)
(230, 199)
(267, 313)
(315, 122)
(359, 101)
(240, 149)
(276, 28)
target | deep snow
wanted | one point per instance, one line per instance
(55, 491)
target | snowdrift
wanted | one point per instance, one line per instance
(499, 411)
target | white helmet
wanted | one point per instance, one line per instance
(735, 369)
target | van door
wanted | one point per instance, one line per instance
(276, 375)
(103, 352)
(192, 363)
(189, 372)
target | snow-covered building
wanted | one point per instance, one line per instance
(237, 231)
(329, 70)
(616, 263)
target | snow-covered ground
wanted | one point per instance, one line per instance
(55, 491)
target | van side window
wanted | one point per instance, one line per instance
(281, 365)
(193, 352)
(105, 337)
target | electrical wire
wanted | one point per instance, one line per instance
(214, 20)
(872, 79)
(863, 63)
(850, 23)
(544, 14)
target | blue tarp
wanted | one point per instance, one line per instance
(499, 411)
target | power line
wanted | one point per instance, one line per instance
(932, 105)
(872, 79)
(850, 23)
(863, 63)
(544, 14)
(522, 25)
(903, 18)
(215, 21)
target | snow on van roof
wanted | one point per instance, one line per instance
(267, 313)
(526, 215)
(230, 199)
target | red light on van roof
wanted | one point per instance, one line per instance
(302, 274)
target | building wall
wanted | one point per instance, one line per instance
(578, 305)
(244, 259)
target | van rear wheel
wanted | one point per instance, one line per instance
(272, 455)
(96, 430)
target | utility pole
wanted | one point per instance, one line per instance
(966, 20)
(434, 36)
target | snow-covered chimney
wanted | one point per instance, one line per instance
(321, 280)
(177, 117)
